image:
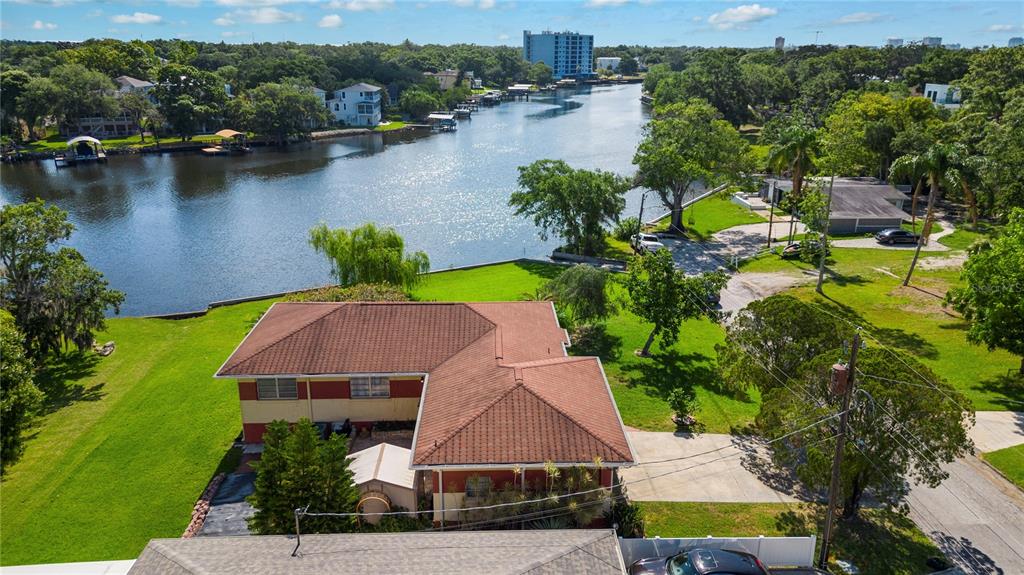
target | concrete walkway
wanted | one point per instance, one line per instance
(975, 516)
(720, 476)
(995, 430)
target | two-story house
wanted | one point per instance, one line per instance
(356, 105)
(492, 392)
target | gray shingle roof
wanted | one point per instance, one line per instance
(860, 198)
(363, 87)
(540, 552)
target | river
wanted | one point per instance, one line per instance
(177, 231)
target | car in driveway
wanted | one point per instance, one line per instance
(793, 250)
(646, 243)
(712, 561)
(896, 236)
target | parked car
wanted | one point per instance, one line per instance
(646, 243)
(709, 561)
(794, 250)
(896, 236)
(701, 562)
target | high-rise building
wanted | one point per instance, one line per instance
(780, 43)
(953, 46)
(894, 42)
(932, 41)
(569, 54)
(1015, 41)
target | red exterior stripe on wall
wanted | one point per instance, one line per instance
(406, 387)
(329, 389)
(247, 390)
(253, 432)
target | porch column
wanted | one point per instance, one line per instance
(440, 486)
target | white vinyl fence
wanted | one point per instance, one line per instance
(773, 551)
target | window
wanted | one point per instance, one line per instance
(277, 388)
(363, 387)
(478, 486)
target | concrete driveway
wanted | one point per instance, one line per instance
(715, 477)
(744, 288)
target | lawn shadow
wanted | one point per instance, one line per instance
(542, 269)
(1010, 385)
(58, 380)
(891, 337)
(594, 339)
(667, 370)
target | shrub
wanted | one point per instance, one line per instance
(627, 517)
(625, 228)
(683, 401)
(594, 339)
(358, 292)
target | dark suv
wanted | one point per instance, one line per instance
(701, 562)
(896, 236)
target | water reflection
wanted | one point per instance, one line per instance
(178, 231)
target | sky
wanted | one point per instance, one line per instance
(497, 22)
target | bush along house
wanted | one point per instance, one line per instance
(499, 409)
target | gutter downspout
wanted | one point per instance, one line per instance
(309, 401)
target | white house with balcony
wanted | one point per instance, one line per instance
(356, 105)
(943, 95)
(610, 63)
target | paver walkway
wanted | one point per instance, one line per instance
(719, 476)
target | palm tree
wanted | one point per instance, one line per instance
(911, 168)
(794, 152)
(944, 165)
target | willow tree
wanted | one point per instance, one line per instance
(368, 254)
(686, 144)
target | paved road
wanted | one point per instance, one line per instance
(721, 476)
(976, 517)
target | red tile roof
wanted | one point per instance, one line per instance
(500, 388)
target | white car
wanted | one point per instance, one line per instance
(646, 243)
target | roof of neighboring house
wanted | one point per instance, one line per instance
(500, 388)
(456, 552)
(362, 87)
(860, 198)
(129, 82)
(383, 462)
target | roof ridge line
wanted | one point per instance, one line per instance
(574, 420)
(438, 444)
(534, 363)
(338, 306)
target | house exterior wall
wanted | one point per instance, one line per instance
(569, 54)
(327, 399)
(862, 225)
(345, 106)
(609, 63)
(942, 95)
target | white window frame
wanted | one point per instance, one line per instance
(263, 391)
(376, 387)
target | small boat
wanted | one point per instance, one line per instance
(81, 150)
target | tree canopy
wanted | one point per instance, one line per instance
(19, 397)
(582, 290)
(368, 254)
(573, 204)
(280, 111)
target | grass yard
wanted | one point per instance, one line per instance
(879, 542)
(58, 143)
(1009, 461)
(390, 126)
(912, 319)
(640, 385)
(130, 442)
(711, 215)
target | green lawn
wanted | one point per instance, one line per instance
(58, 143)
(389, 127)
(912, 319)
(130, 443)
(1009, 461)
(879, 542)
(712, 215)
(639, 385)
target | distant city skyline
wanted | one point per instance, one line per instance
(501, 22)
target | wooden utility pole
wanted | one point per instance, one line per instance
(771, 211)
(842, 382)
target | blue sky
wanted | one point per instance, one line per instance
(649, 22)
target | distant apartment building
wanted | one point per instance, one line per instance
(943, 95)
(953, 46)
(780, 43)
(356, 105)
(931, 41)
(1015, 41)
(446, 79)
(609, 63)
(894, 42)
(569, 54)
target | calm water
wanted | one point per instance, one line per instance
(175, 232)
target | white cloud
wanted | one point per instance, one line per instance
(858, 18)
(266, 15)
(603, 3)
(696, 19)
(1003, 28)
(255, 3)
(361, 5)
(739, 17)
(184, 3)
(481, 4)
(485, 4)
(137, 18)
(503, 37)
(40, 25)
(232, 34)
(330, 21)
